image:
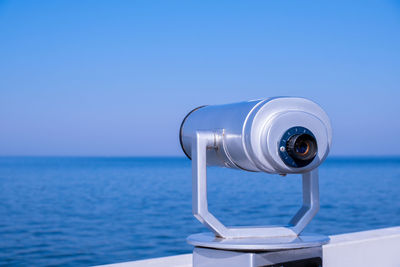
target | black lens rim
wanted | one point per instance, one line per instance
(181, 129)
(284, 149)
(297, 139)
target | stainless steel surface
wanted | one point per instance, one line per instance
(305, 240)
(250, 136)
(249, 132)
(207, 140)
(310, 205)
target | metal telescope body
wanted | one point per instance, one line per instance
(280, 135)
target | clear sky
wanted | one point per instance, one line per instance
(115, 78)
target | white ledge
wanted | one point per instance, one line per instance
(373, 248)
(184, 260)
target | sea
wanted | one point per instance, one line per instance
(80, 211)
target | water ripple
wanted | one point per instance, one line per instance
(88, 211)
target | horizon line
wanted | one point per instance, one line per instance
(169, 156)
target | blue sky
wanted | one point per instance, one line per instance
(115, 78)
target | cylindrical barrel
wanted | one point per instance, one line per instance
(275, 135)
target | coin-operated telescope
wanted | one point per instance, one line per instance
(281, 135)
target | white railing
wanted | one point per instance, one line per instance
(374, 248)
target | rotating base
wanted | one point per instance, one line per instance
(305, 240)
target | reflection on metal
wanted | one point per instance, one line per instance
(258, 244)
(250, 133)
(277, 135)
(207, 140)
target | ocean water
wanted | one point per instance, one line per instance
(87, 211)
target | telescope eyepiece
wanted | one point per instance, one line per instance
(302, 147)
(298, 147)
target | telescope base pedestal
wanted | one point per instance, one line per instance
(305, 240)
(303, 257)
(302, 250)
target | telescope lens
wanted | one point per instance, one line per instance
(298, 147)
(302, 147)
